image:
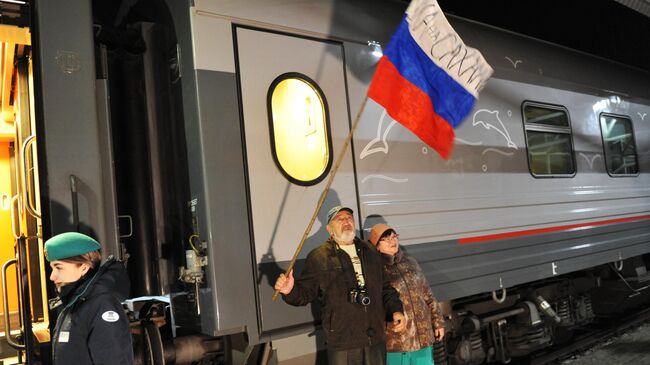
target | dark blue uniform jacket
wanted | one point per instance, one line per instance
(92, 327)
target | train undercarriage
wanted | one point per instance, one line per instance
(526, 319)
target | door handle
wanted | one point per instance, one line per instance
(26, 186)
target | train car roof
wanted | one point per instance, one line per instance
(616, 30)
(361, 21)
(612, 29)
(523, 58)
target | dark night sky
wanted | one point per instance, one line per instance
(601, 27)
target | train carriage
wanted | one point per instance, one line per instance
(193, 139)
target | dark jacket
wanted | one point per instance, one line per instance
(421, 308)
(91, 327)
(328, 276)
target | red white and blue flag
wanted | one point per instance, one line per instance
(428, 79)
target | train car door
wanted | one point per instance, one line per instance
(295, 118)
(24, 298)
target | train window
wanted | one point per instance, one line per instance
(619, 146)
(300, 137)
(548, 138)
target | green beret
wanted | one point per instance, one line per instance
(69, 244)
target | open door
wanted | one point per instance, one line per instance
(24, 312)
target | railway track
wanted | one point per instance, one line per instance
(600, 331)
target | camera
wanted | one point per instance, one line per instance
(359, 295)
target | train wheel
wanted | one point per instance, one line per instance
(153, 349)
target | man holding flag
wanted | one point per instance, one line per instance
(346, 275)
(428, 80)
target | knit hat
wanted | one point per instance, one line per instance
(334, 211)
(376, 232)
(69, 244)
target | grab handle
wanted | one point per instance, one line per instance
(26, 186)
(5, 301)
(15, 208)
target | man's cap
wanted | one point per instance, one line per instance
(334, 211)
(376, 232)
(69, 244)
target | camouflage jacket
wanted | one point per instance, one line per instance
(421, 309)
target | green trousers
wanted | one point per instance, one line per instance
(419, 357)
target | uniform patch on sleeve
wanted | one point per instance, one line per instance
(64, 336)
(110, 316)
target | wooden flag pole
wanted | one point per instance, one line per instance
(337, 163)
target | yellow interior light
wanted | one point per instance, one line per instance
(299, 129)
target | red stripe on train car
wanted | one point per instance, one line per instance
(530, 232)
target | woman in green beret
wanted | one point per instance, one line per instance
(91, 326)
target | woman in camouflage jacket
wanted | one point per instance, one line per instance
(424, 322)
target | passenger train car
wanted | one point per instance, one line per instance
(194, 138)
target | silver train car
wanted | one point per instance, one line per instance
(193, 139)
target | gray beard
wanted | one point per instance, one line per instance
(344, 237)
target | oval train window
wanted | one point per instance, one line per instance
(300, 137)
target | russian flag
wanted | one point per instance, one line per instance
(428, 79)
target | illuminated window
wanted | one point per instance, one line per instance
(618, 142)
(548, 138)
(300, 136)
